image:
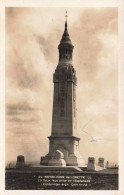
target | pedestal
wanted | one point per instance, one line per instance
(69, 148)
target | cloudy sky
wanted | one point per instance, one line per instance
(32, 38)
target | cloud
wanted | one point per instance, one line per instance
(17, 109)
(24, 106)
(47, 44)
(17, 120)
(92, 24)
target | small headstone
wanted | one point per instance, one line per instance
(20, 161)
(91, 164)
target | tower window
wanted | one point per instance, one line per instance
(66, 56)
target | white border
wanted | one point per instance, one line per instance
(61, 3)
(2, 95)
(121, 96)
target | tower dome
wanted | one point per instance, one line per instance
(65, 41)
(65, 47)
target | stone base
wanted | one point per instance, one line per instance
(75, 160)
(57, 162)
(95, 168)
(72, 160)
(57, 159)
(20, 164)
(68, 147)
(99, 168)
(91, 167)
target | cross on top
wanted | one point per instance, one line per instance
(66, 15)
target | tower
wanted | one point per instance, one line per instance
(64, 142)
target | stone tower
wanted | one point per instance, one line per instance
(64, 137)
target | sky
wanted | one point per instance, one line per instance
(32, 38)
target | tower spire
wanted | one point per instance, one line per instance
(66, 20)
(66, 15)
(65, 47)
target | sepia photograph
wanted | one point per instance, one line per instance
(61, 96)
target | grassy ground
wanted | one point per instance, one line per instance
(56, 179)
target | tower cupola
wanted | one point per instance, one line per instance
(65, 47)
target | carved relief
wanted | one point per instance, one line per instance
(65, 73)
(62, 99)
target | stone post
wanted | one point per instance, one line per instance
(91, 164)
(20, 161)
(101, 162)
